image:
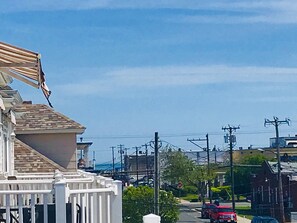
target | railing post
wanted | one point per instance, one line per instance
(151, 218)
(116, 203)
(60, 200)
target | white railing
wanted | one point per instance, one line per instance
(73, 197)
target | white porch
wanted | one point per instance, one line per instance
(60, 198)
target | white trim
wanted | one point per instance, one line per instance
(49, 131)
(12, 117)
(2, 106)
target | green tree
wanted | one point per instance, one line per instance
(200, 177)
(178, 167)
(139, 201)
(242, 174)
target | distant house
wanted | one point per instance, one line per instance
(200, 157)
(265, 199)
(83, 159)
(287, 141)
(140, 165)
(287, 154)
(49, 133)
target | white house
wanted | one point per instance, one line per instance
(34, 192)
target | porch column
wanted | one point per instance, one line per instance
(60, 200)
(116, 203)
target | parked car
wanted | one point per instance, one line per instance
(222, 214)
(206, 209)
(264, 219)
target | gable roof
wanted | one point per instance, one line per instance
(286, 168)
(39, 118)
(28, 160)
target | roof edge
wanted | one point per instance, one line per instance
(51, 131)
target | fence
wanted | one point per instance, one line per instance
(60, 198)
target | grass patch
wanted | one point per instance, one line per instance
(244, 211)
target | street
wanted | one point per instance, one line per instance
(188, 214)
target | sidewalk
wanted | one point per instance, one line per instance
(243, 220)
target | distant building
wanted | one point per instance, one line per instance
(288, 141)
(145, 164)
(200, 157)
(83, 159)
(287, 154)
(265, 189)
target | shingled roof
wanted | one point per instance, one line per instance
(28, 160)
(39, 118)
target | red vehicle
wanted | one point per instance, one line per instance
(222, 214)
(206, 209)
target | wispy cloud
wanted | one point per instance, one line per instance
(264, 99)
(247, 12)
(251, 11)
(169, 4)
(102, 83)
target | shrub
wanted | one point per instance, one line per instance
(139, 201)
(191, 189)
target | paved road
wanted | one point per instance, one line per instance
(188, 214)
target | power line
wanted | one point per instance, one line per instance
(172, 135)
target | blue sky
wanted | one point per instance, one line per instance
(125, 69)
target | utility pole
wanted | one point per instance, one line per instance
(215, 150)
(156, 175)
(112, 148)
(208, 170)
(276, 123)
(136, 150)
(208, 165)
(121, 147)
(146, 162)
(126, 164)
(231, 139)
(94, 160)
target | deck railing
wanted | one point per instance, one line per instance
(61, 198)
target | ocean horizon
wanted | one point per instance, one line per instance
(107, 166)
